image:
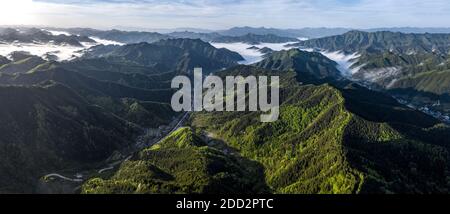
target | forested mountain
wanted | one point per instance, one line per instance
(49, 128)
(222, 54)
(436, 82)
(340, 138)
(183, 162)
(128, 75)
(112, 95)
(114, 90)
(105, 65)
(34, 35)
(180, 55)
(4, 60)
(21, 63)
(333, 135)
(337, 139)
(376, 42)
(123, 106)
(307, 64)
(387, 49)
(408, 66)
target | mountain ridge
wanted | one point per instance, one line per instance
(53, 128)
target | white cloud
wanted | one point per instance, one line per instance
(216, 14)
(250, 55)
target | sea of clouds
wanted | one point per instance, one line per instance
(63, 52)
(250, 55)
(345, 61)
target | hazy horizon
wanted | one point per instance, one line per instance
(218, 15)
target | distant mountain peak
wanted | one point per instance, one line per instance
(311, 64)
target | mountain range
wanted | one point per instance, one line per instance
(50, 127)
(182, 163)
(412, 67)
(108, 97)
(312, 33)
(293, 33)
(381, 41)
(337, 137)
(105, 118)
(118, 36)
(254, 39)
(34, 35)
(130, 37)
(180, 55)
(308, 64)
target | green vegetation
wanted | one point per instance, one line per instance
(413, 62)
(310, 65)
(182, 163)
(333, 136)
(131, 76)
(51, 128)
(411, 66)
(127, 102)
(171, 55)
(437, 82)
(376, 42)
(74, 116)
(331, 140)
(4, 60)
(22, 65)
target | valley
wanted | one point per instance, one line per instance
(55, 183)
(88, 111)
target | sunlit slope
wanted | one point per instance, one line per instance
(330, 140)
(182, 163)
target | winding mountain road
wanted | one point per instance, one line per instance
(78, 180)
(111, 166)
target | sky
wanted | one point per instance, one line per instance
(222, 14)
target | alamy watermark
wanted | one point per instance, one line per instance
(233, 98)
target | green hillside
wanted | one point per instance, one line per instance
(338, 140)
(333, 135)
(51, 128)
(414, 62)
(307, 64)
(375, 42)
(104, 64)
(21, 65)
(4, 60)
(437, 82)
(127, 102)
(179, 55)
(329, 139)
(182, 163)
(136, 77)
(409, 66)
